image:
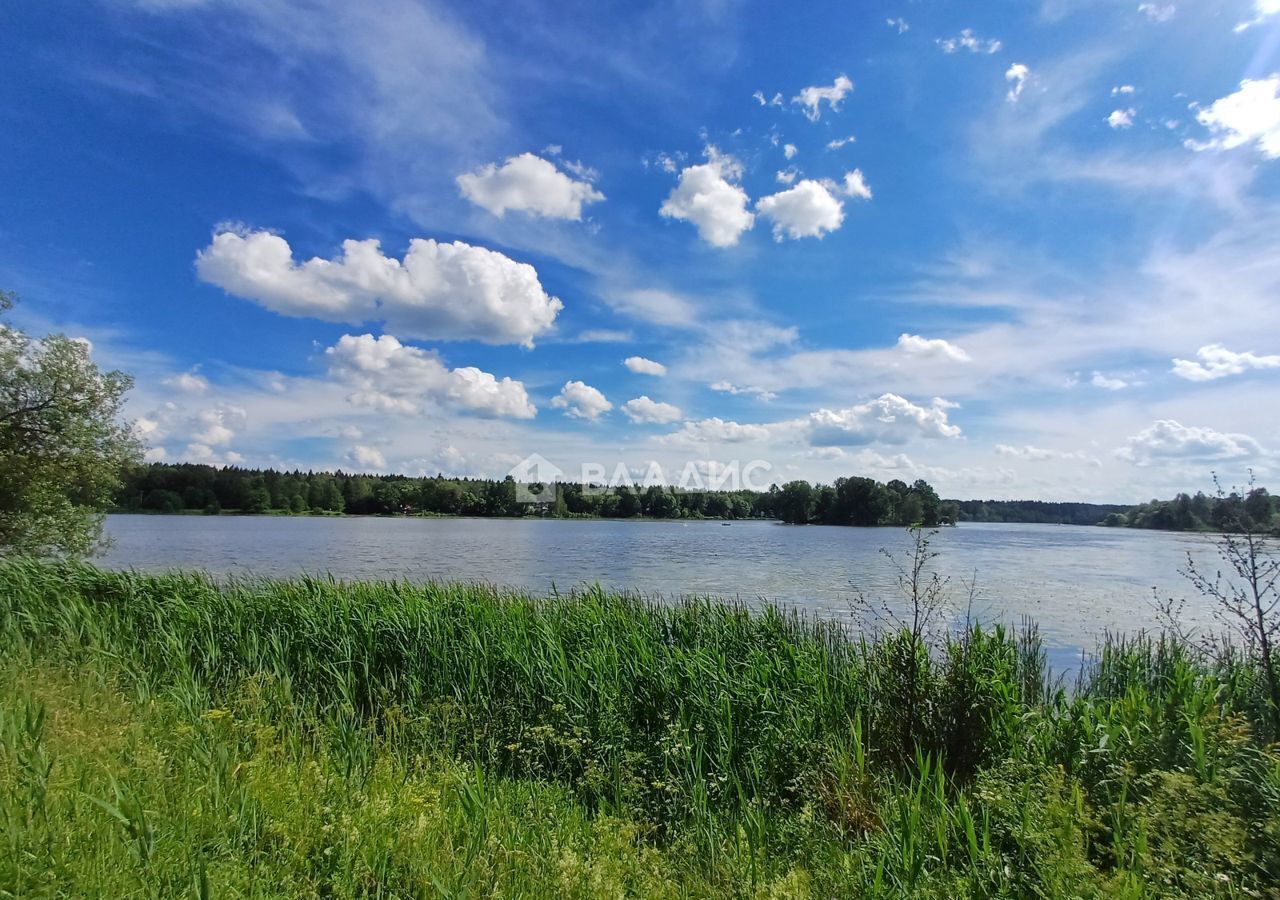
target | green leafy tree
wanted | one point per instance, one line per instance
(1258, 509)
(389, 497)
(715, 505)
(326, 494)
(357, 492)
(628, 503)
(909, 511)
(448, 497)
(661, 503)
(63, 445)
(163, 501)
(795, 502)
(862, 501)
(500, 498)
(930, 503)
(259, 500)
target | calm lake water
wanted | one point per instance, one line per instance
(1075, 582)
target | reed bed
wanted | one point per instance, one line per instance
(169, 735)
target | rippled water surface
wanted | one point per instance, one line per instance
(1075, 582)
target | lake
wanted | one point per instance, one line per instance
(1075, 582)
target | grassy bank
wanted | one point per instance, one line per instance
(166, 736)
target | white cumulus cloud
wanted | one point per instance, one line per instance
(855, 185)
(1250, 115)
(812, 98)
(888, 419)
(1216, 361)
(1108, 382)
(203, 453)
(644, 410)
(936, 348)
(642, 366)
(147, 428)
(808, 209)
(581, 401)
(1121, 118)
(188, 383)
(369, 459)
(717, 430)
(387, 375)
(1168, 439)
(708, 196)
(204, 430)
(528, 183)
(440, 291)
(218, 425)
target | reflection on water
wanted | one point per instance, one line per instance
(1075, 582)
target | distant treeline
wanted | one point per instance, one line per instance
(188, 487)
(1256, 509)
(1037, 511)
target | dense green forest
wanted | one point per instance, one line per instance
(861, 501)
(1037, 511)
(1254, 508)
(188, 487)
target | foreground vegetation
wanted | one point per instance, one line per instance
(167, 736)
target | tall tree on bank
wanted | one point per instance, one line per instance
(62, 444)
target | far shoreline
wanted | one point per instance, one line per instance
(199, 514)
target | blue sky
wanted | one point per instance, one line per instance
(1019, 249)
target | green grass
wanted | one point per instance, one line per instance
(166, 736)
